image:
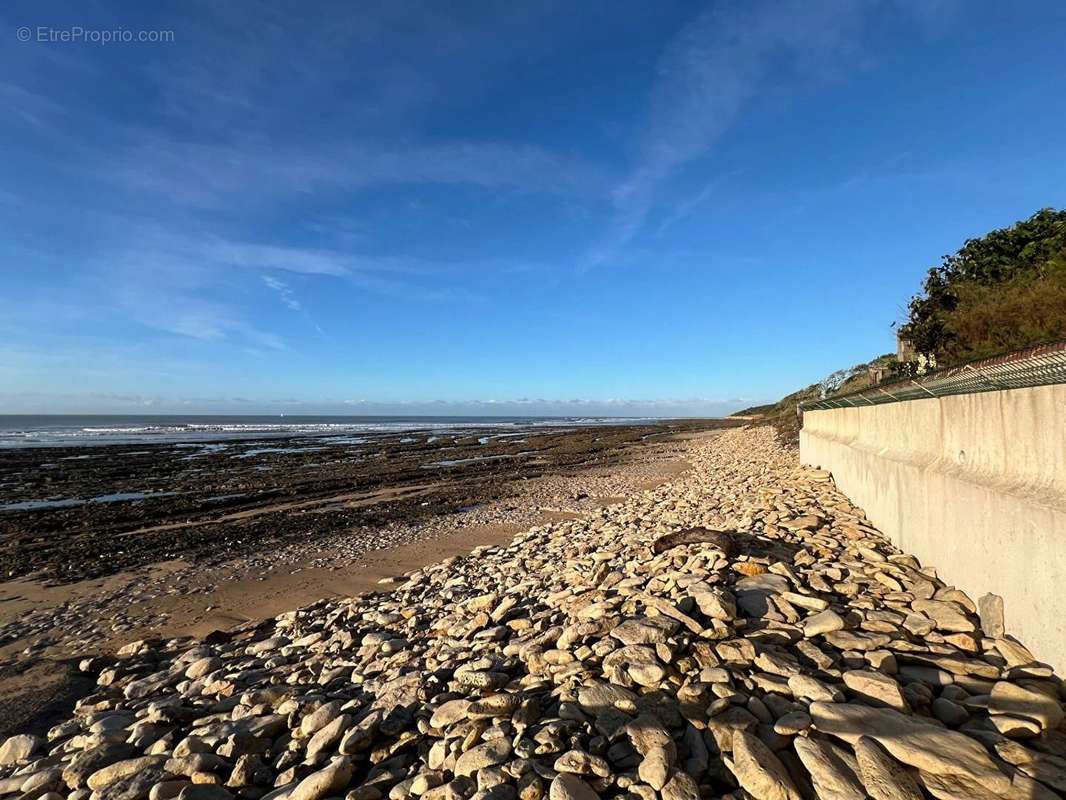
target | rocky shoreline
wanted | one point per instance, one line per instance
(802, 657)
(76, 513)
(192, 595)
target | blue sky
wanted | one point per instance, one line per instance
(616, 207)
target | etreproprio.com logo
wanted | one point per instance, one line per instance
(78, 34)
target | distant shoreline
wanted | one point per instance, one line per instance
(69, 512)
(242, 531)
(69, 430)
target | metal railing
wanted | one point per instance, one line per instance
(1033, 366)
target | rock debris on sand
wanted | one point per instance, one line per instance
(814, 661)
(81, 625)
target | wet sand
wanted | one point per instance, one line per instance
(179, 598)
(70, 514)
(65, 609)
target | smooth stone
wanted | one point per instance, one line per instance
(856, 640)
(1015, 654)
(570, 787)
(946, 616)
(120, 769)
(42, 781)
(16, 749)
(929, 675)
(724, 725)
(319, 718)
(96, 758)
(1016, 727)
(639, 662)
(919, 624)
(804, 686)
(759, 772)
(949, 712)
(489, 754)
(876, 688)
(1042, 767)
(196, 762)
(328, 735)
(929, 748)
(807, 522)
(449, 713)
(167, 790)
(656, 747)
(831, 776)
(792, 723)
(1018, 701)
(883, 777)
(204, 791)
(753, 593)
(823, 622)
(203, 666)
(325, 782)
(645, 630)
(716, 604)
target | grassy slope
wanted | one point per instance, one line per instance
(782, 414)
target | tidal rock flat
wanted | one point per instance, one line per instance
(74, 513)
(798, 656)
(217, 573)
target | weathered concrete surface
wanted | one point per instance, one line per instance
(972, 484)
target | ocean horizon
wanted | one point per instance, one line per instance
(72, 430)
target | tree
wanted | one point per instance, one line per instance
(1002, 291)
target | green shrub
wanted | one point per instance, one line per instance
(1000, 292)
(987, 319)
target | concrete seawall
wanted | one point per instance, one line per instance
(972, 484)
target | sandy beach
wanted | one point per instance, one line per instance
(104, 575)
(69, 513)
(705, 620)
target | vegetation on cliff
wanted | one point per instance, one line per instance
(1003, 291)
(783, 415)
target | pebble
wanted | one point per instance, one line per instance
(1020, 701)
(570, 787)
(808, 658)
(822, 622)
(830, 773)
(882, 777)
(920, 744)
(759, 772)
(19, 748)
(875, 688)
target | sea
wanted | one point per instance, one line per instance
(68, 430)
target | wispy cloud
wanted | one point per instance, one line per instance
(253, 172)
(689, 205)
(263, 256)
(187, 314)
(284, 292)
(87, 402)
(715, 65)
(190, 284)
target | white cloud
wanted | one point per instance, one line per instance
(705, 77)
(284, 292)
(214, 176)
(105, 402)
(189, 284)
